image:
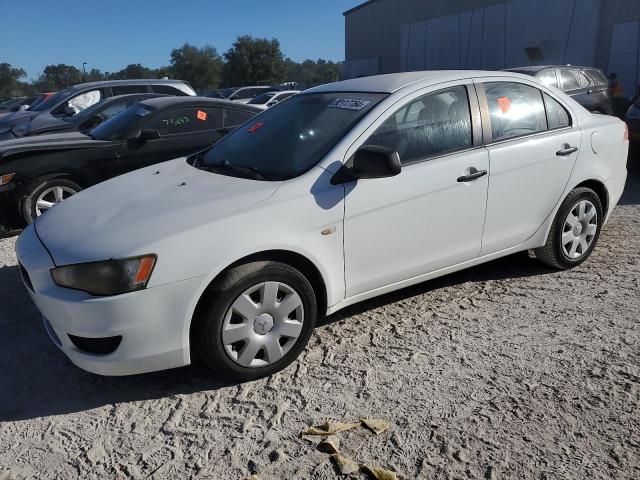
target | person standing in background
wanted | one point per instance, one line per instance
(614, 86)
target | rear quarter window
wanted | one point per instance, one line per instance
(233, 117)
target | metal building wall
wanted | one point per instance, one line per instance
(398, 35)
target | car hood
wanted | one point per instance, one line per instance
(143, 207)
(45, 122)
(10, 120)
(54, 141)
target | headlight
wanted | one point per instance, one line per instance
(634, 112)
(111, 277)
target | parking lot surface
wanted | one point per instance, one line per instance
(506, 370)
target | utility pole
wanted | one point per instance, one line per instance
(84, 70)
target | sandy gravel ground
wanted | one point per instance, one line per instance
(507, 370)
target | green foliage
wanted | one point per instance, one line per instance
(254, 61)
(250, 61)
(201, 67)
(57, 77)
(10, 84)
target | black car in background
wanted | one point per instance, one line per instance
(17, 104)
(72, 100)
(83, 121)
(586, 85)
(38, 172)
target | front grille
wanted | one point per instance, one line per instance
(25, 278)
(98, 346)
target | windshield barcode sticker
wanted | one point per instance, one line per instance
(349, 103)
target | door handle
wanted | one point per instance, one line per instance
(472, 176)
(567, 151)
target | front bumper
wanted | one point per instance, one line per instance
(154, 323)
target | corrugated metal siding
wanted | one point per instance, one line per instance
(375, 29)
(378, 30)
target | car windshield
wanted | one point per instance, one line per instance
(53, 100)
(262, 99)
(117, 127)
(290, 138)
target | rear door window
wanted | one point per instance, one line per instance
(126, 89)
(557, 115)
(168, 90)
(186, 120)
(434, 124)
(515, 110)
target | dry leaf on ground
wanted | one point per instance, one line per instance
(345, 465)
(379, 473)
(330, 445)
(330, 428)
(375, 425)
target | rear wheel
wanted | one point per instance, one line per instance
(258, 319)
(575, 230)
(43, 194)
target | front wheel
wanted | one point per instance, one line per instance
(41, 195)
(575, 230)
(258, 319)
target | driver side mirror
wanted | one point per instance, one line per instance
(143, 136)
(68, 111)
(370, 161)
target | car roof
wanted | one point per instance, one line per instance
(140, 81)
(532, 70)
(392, 82)
(187, 101)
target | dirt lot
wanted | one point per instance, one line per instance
(507, 370)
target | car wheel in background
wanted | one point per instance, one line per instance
(575, 230)
(256, 320)
(41, 195)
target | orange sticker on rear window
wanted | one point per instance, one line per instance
(202, 115)
(505, 104)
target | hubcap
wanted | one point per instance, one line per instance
(262, 324)
(580, 229)
(51, 197)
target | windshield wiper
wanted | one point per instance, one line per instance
(251, 171)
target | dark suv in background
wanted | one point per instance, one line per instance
(586, 85)
(73, 100)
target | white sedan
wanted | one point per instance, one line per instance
(269, 99)
(342, 193)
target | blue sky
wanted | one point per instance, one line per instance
(110, 35)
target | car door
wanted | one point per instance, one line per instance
(430, 216)
(533, 144)
(180, 131)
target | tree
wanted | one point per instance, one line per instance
(201, 67)
(254, 61)
(133, 71)
(9, 80)
(57, 77)
(312, 72)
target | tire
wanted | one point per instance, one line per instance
(582, 238)
(238, 305)
(52, 191)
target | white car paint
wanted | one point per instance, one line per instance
(386, 233)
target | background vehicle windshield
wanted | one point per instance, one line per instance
(290, 138)
(53, 100)
(262, 99)
(115, 128)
